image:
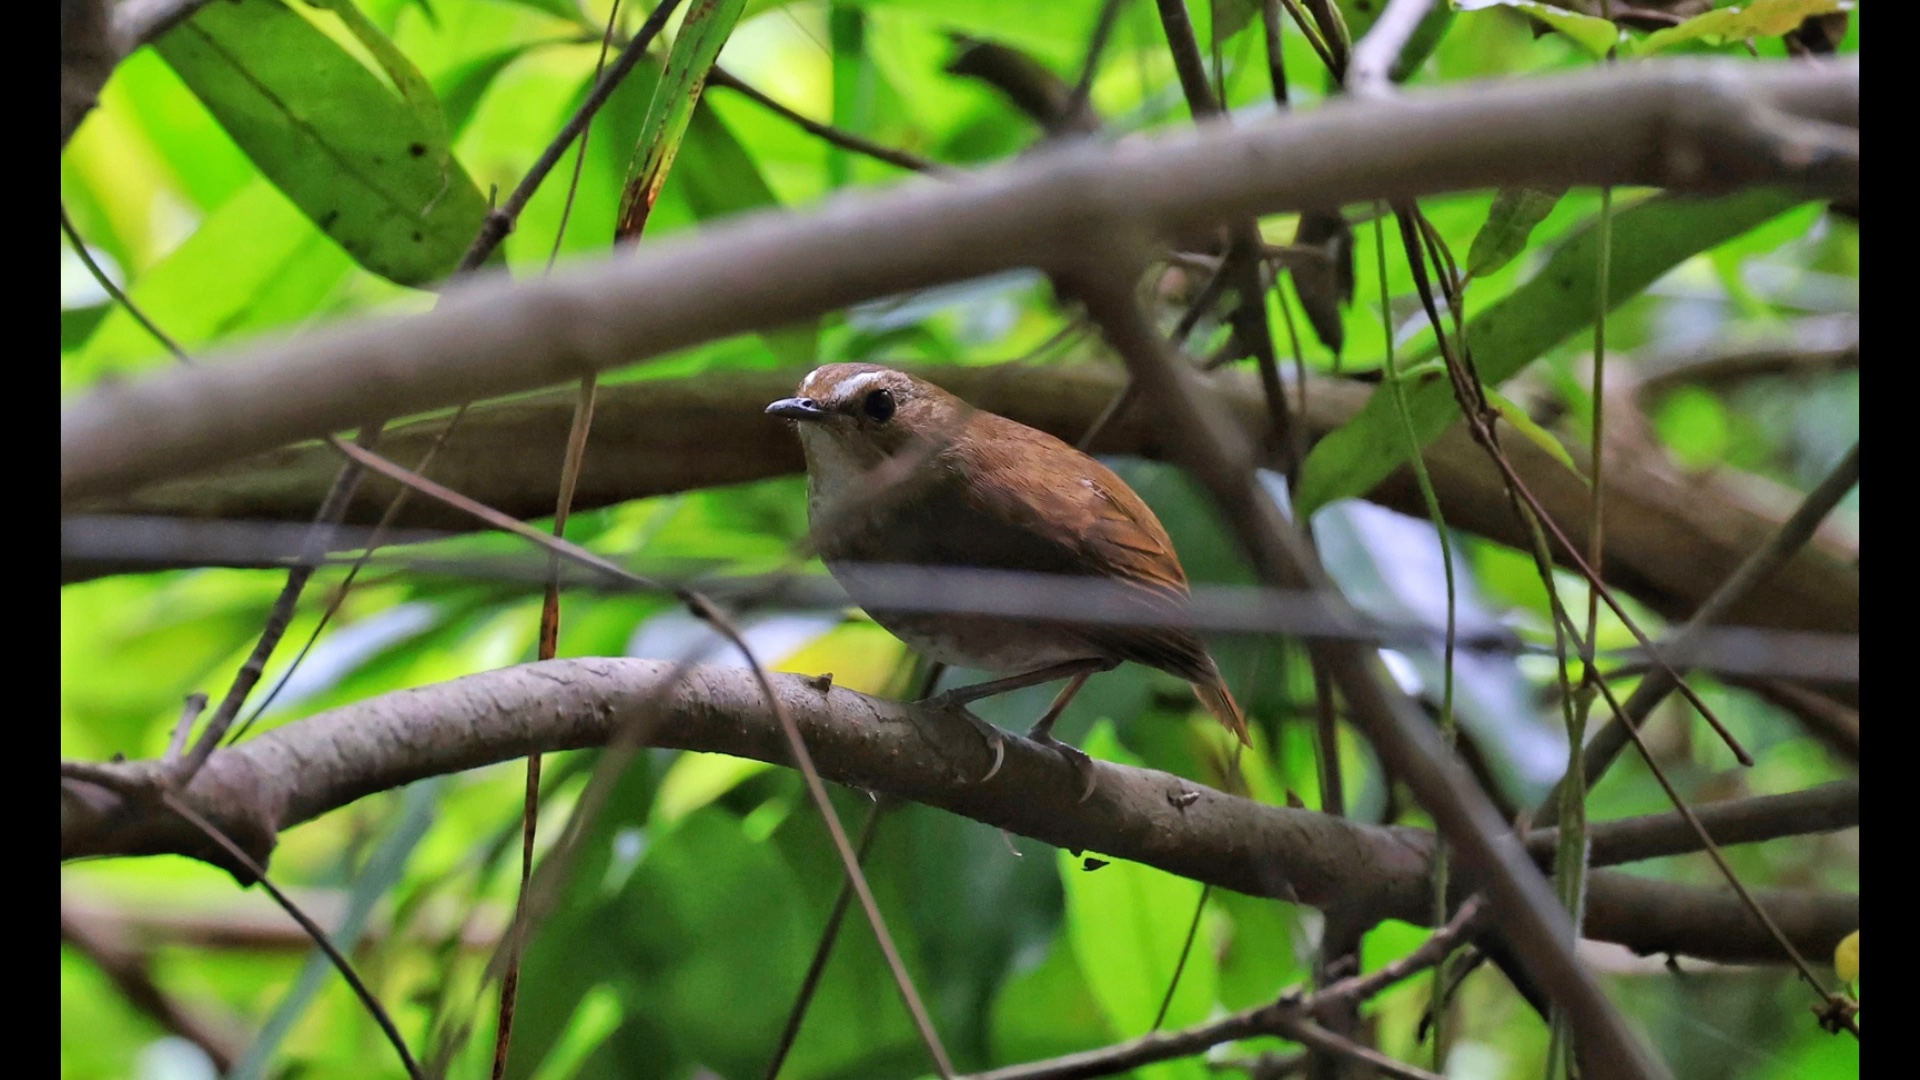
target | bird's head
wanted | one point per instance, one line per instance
(858, 416)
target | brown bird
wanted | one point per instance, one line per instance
(901, 472)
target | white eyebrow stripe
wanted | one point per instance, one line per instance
(850, 389)
(808, 381)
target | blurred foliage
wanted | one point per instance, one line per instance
(205, 182)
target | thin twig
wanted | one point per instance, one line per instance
(704, 610)
(1374, 56)
(1291, 1017)
(319, 936)
(840, 137)
(1408, 746)
(500, 220)
(1096, 46)
(822, 951)
(113, 289)
(549, 608)
(1726, 870)
(1773, 552)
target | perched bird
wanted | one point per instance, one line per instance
(901, 472)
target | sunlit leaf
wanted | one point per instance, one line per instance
(694, 780)
(1595, 35)
(273, 267)
(1739, 22)
(369, 166)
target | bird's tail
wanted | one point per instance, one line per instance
(1213, 694)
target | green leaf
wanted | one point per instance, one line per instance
(557, 961)
(1128, 923)
(273, 268)
(406, 78)
(1760, 18)
(707, 908)
(1595, 35)
(464, 86)
(369, 164)
(381, 873)
(1532, 432)
(694, 780)
(1650, 238)
(707, 27)
(78, 324)
(1510, 221)
(1048, 1010)
(565, 9)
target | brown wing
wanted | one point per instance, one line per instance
(1095, 524)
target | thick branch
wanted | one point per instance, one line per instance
(296, 773)
(1670, 539)
(1690, 126)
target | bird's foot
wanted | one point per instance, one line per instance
(1077, 758)
(995, 739)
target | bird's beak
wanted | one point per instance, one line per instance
(797, 408)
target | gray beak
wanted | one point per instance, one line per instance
(797, 408)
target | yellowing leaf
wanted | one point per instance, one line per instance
(1761, 18)
(1846, 957)
(860, 656)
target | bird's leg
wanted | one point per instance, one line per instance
(959, 697)
(1042, 733)
(964, 695)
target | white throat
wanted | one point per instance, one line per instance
(832, 472)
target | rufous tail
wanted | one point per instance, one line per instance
(1213, 694)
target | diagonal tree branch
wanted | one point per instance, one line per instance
(1408, 745)
(1688, 126)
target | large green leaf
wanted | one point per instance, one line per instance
(369, 164)
(271, 267)
(1649, 238)
(1128, 923)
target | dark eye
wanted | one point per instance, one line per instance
(879, 405)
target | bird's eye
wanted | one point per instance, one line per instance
(879, 406)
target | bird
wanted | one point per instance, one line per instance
(901, 472)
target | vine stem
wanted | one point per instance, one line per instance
(1429, 496)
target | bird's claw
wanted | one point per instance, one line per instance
(995, 739)
(998, 744)
(1077, 758)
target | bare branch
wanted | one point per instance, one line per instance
(1670, 539)
(298, 772)
(1678, 125)
(1369, 72)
